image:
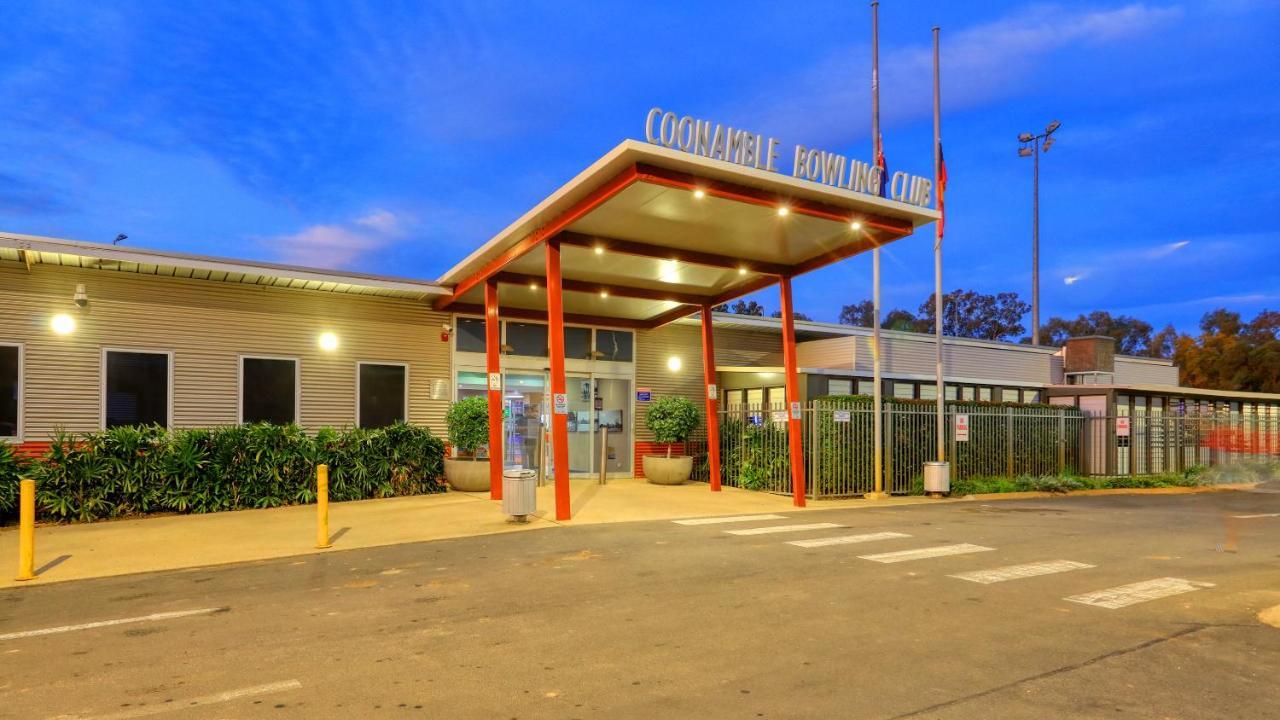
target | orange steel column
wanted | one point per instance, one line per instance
(713, 398)
(493, 367)
(794, 404)
(559, 400)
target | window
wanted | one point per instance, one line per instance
(527, 339)
(777, 397)
(836, 386)
(1031, 396)
(904, 391)
(967, 393)
(136, 391)
(577, 343)
(471, 384)
(928, 391)
(866, 387)
(984, 394)
(950, 391)
(10, 389)
(1009, 395)
(614, 345)
(755, 397)
(381, 394)
(268, 390)
(470, 335)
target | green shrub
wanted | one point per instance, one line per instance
(468, 421)
(136, 470)
(672, 419)
(11, 470)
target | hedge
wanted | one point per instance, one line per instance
(147, 469)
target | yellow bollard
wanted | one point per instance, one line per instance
(322, 507)
(27, 530)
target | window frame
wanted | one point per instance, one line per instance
(102, 381)
(22, 392)
(297, 385)
(393, 363)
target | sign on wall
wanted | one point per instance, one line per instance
(962, 427)
(712, 392)
(796, 413)
(644, 394)
(743, 147)
(561, 401)
(495, 381)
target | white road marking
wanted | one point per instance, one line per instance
(1251, 517)
(923, 553)
(731, 519)
(783, 528)
(847, 539)
(1016, 572)
(108, 623)
(214, 699)
(1126, 595)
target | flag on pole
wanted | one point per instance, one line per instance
(942, 190)
(884, 169)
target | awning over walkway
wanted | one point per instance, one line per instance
(648, 235)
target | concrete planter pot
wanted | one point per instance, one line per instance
(661, 470)
(467, 474)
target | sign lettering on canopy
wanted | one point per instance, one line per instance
(743, 147)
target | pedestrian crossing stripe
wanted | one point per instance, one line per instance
(1017, 572)
(1139, 592)
(769, 529)
(847, 539)
(924, 553)
(729, 519)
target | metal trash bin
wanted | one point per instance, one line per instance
(937, 478)
(519, 494)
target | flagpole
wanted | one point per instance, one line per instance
(937, 248)
(877, 392)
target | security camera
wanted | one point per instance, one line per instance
(445, 327)
(81, 297)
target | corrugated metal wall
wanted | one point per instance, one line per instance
(207, 325)
(916, 356)
(1134, 371)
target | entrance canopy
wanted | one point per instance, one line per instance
(647, 235)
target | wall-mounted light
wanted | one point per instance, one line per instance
(80, 298)
(674, 364)
(62, 324)
(328, 341)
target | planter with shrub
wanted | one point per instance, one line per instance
(671, 420)
(468, 421)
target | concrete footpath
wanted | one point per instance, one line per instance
(171, 542)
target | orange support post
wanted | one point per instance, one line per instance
(493, 366)
(795, 424)
(559, 400)
(713, 398)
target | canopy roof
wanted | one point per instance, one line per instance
(649, 235)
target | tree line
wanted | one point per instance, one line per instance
(1228, 353)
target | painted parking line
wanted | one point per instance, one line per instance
(847, 539)
(213, 699)
(730, 519)
(783, 529)
(108, 623)
(925, 553)
(1017, 572)
(1139, 592)
(1260, 515)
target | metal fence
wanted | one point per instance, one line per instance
(990, 441)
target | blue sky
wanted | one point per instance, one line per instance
(393, 137)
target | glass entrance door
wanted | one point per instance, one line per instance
(612, 442)
(524, 402)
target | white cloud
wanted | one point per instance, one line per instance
(980, 63)
(383, 221)
(1073, 279)
(1167, 249)
(338, 245)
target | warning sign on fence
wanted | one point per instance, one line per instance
(962, 427)
(1122, 427)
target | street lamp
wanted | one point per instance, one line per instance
(1031, 147)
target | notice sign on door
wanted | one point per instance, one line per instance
(962, 427)
(495, 381)
(1122, 427)
(561, 403)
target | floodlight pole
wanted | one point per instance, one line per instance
(1033, 140)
